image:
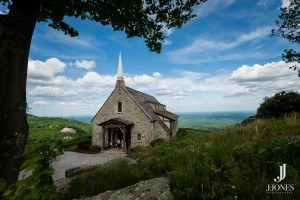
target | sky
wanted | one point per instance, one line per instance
(222, 60)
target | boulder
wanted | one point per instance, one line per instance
(69, 130)
(248, 120)
(153, 189)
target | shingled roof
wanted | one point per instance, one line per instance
(167, 114)
(142, 96)
(143, 101)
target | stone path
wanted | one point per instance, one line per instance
(72, 159)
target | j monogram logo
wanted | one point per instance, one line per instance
(282, 173)
(278, 187)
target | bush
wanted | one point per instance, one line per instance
(182, 132)
(279, 105)
(158, 141)
(84, 144)
(95, 148)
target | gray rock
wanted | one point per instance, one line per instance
(153, 189)
(68, 130)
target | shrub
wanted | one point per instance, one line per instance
(280, 104)
(84, 144)
(182, 132)
(158, 141)
(95, 148)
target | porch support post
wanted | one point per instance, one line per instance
(111, 138)
(103, 138)
(124, 137)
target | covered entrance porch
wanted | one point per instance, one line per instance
(116, 131)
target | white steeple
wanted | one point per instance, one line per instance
(120, 75)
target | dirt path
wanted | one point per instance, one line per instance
(72, 159)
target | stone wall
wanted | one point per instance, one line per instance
(159, 132)
(96, 140)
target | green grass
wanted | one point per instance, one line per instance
(115, 176)
(235, 162)
(47, 129)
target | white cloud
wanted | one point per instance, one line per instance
(167, 42)
(39, 103)
(44, 70)
(179, 89)
(163, 89)
(238, 93)
(256, 34)
(156, 75)
(203, 44)
(270, 78)
(263, 3)
(51, 92)
(142, 79)
(203, 49)
(68, 104)
(93, 79)
(285, 3)
(212, 6)
(60, 37)
(168, 31)
(88, 65)
(268, 72)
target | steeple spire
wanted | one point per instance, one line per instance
(120, 75)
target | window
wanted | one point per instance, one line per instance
(139, 136)
(119, 106)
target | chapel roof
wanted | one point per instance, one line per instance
(167, 114)
(142, 96)
(143, 101)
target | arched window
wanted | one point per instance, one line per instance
(119, 106)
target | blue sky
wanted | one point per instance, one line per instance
(223, 60)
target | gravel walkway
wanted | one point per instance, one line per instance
(72, 159)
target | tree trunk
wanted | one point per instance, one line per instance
(16, 29)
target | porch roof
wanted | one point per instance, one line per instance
(116, 121)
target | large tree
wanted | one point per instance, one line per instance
(289, 28)
(137, 18)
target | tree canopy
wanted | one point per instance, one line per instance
(148, 19)
(283, 103)
(289, 28)
(137, 18)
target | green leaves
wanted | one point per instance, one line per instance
(288, 28)
(284, 103)
(137, 18)
(39, 185)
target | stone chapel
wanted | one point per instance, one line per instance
(133, 117)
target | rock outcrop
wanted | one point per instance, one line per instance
(68, 130)
(153, 189)
(248, 120)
